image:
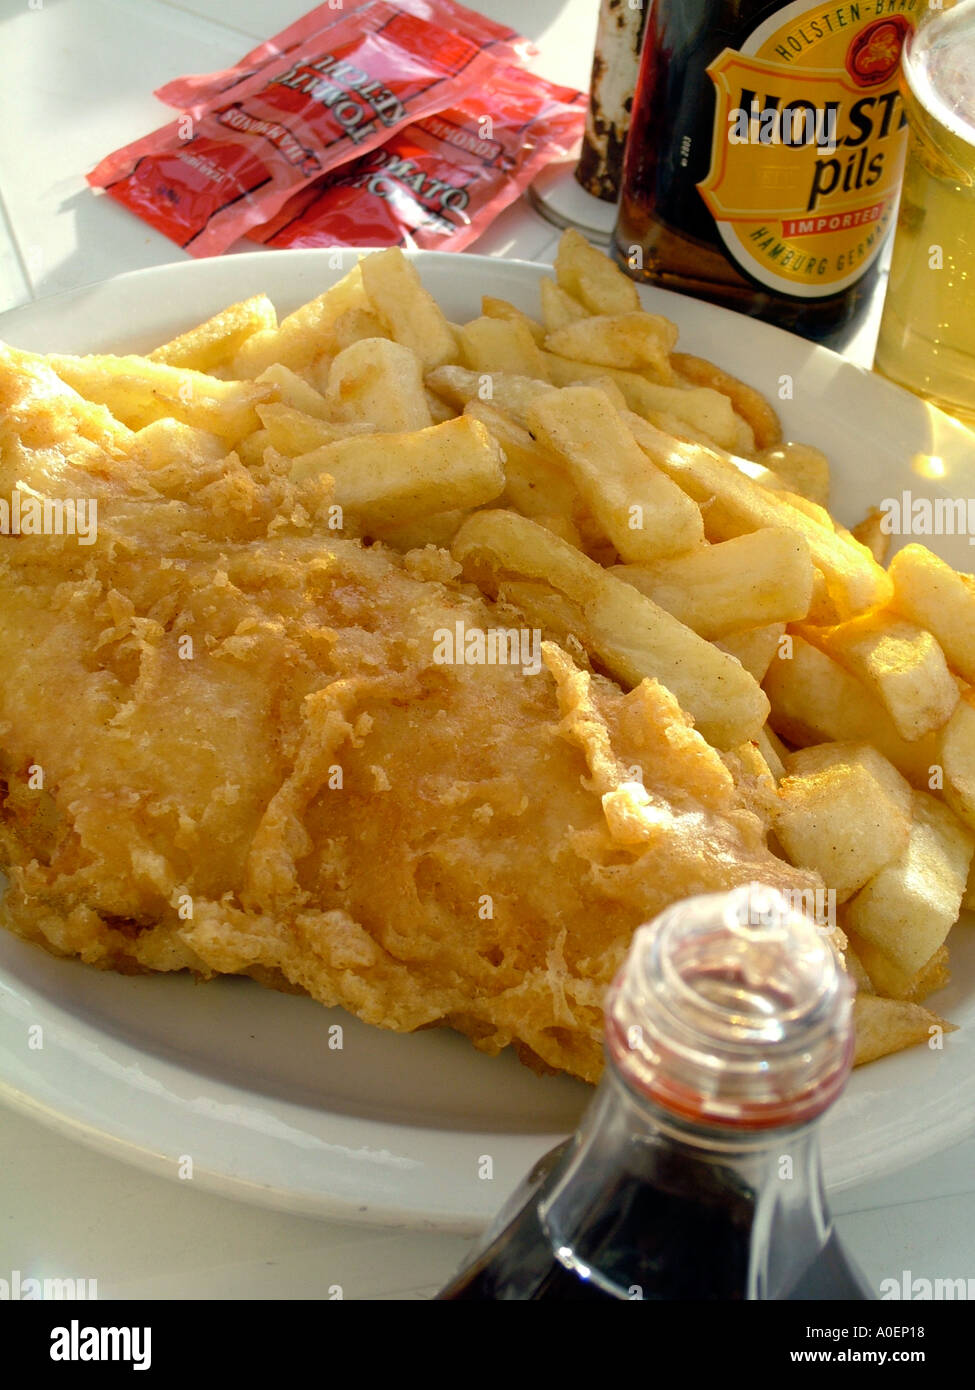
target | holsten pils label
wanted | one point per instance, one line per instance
(809, 143)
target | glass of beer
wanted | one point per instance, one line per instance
(927, 336)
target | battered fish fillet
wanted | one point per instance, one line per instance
(252, 763)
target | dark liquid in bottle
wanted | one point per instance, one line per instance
(669, 1229)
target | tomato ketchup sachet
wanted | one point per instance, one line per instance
(437, 183)
(502, 43)
(208, 177)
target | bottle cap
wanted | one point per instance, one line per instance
(733, 1009)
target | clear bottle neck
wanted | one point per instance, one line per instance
(734, 1010)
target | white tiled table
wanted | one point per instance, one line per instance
(77, 78)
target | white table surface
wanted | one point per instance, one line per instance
(77, 78)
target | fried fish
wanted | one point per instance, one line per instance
(229, 744)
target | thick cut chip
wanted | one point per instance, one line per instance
(354, 325)
(856, 969)
(932, 594)
(410, 312)
(845, 811)
(815, 700)
(138, 391)
(610, 390)
(870, 532)
(635, 341)
(436, 528)
(501, 345)
(706, 411)
(535, 484)
(440, 409)
(823, 610)
(642, 512)
(890, 980)
(304, 335)
(882, 1026)
(736, 504)
(381, 382)
(507, 391)
(494, 308)
(592, 278)
(547, 609)
(292, 432)
(748, 403)
(802, 468)
(755, 647)
(628, 633)
(293, 390)
(644, 396)
(772, 751)
(558, 307)
(383, 479)
(751, 581)
(902, 664)
(909, 907)
(214, 342)
(957, 759)
(968, 901)
(697, 411)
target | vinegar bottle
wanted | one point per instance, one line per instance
(695, 1173)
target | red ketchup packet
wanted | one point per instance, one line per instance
(437, 183)
(503, 43)
(206, 179)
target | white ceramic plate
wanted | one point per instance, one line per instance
(392, 1129)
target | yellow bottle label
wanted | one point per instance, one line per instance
(809, 143)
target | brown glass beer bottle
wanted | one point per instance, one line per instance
(765, 153)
